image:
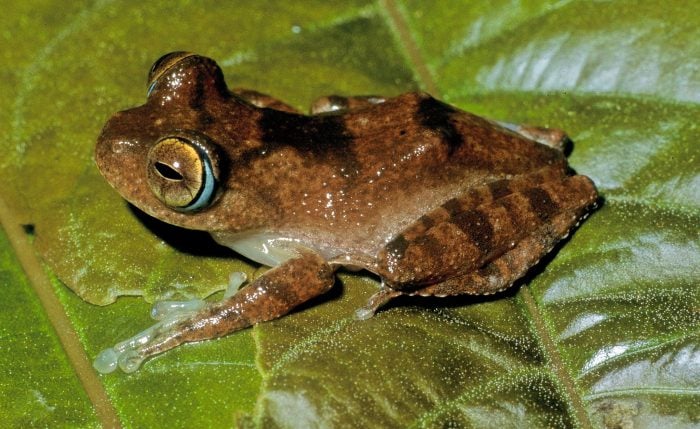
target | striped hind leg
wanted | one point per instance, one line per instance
(482, 242)
(495, 276)
(503, 271)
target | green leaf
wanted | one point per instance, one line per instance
(38, 387)
(604, 333)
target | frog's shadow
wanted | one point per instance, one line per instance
(191, 242)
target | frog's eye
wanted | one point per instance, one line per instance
(162, 65)
(183, 172)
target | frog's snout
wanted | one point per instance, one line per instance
(115, 154)
(107, 143)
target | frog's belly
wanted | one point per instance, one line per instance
(273, 249)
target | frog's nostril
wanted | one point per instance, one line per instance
(120, 146)
(167, 171)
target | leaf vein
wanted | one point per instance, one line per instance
(643, 391)
(557, 364)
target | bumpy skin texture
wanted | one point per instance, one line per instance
(435, 200)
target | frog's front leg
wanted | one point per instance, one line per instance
(272, 295)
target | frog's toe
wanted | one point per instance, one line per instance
(106, 361)
(364, 313)
(235, 281)
(165, 309)
(130, 361)
(171, 309)
(127, 354)
(109, 359)
(376, 301)
(552, 137)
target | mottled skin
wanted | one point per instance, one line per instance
(434, 200)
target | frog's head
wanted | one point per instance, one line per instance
(167, 156)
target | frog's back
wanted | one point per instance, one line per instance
(414, 144)
(406, 156)
(415, 134)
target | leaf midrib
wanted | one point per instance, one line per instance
(58, 319)
(397, 22)
(554, 356)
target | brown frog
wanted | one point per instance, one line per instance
(434, 200)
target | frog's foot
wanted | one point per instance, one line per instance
(551, 137)
(169, 314)
(376, 301)
(164, 309)
(128, 354)
(235, 281)
(336, 103)
(272, 295)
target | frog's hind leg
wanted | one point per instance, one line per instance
(502, 272)
(272, 295)
(496, 275)
(552, 137)
(464, 234)
(263, 100)
(337, 103)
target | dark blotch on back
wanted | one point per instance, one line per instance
(436, 115)
(541, 203)
(499, 189)
(322, 135)
(452, 206)
(427, 221)
(476, 225)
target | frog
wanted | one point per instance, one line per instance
(430, 199)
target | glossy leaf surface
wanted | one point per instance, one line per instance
(604, 333)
